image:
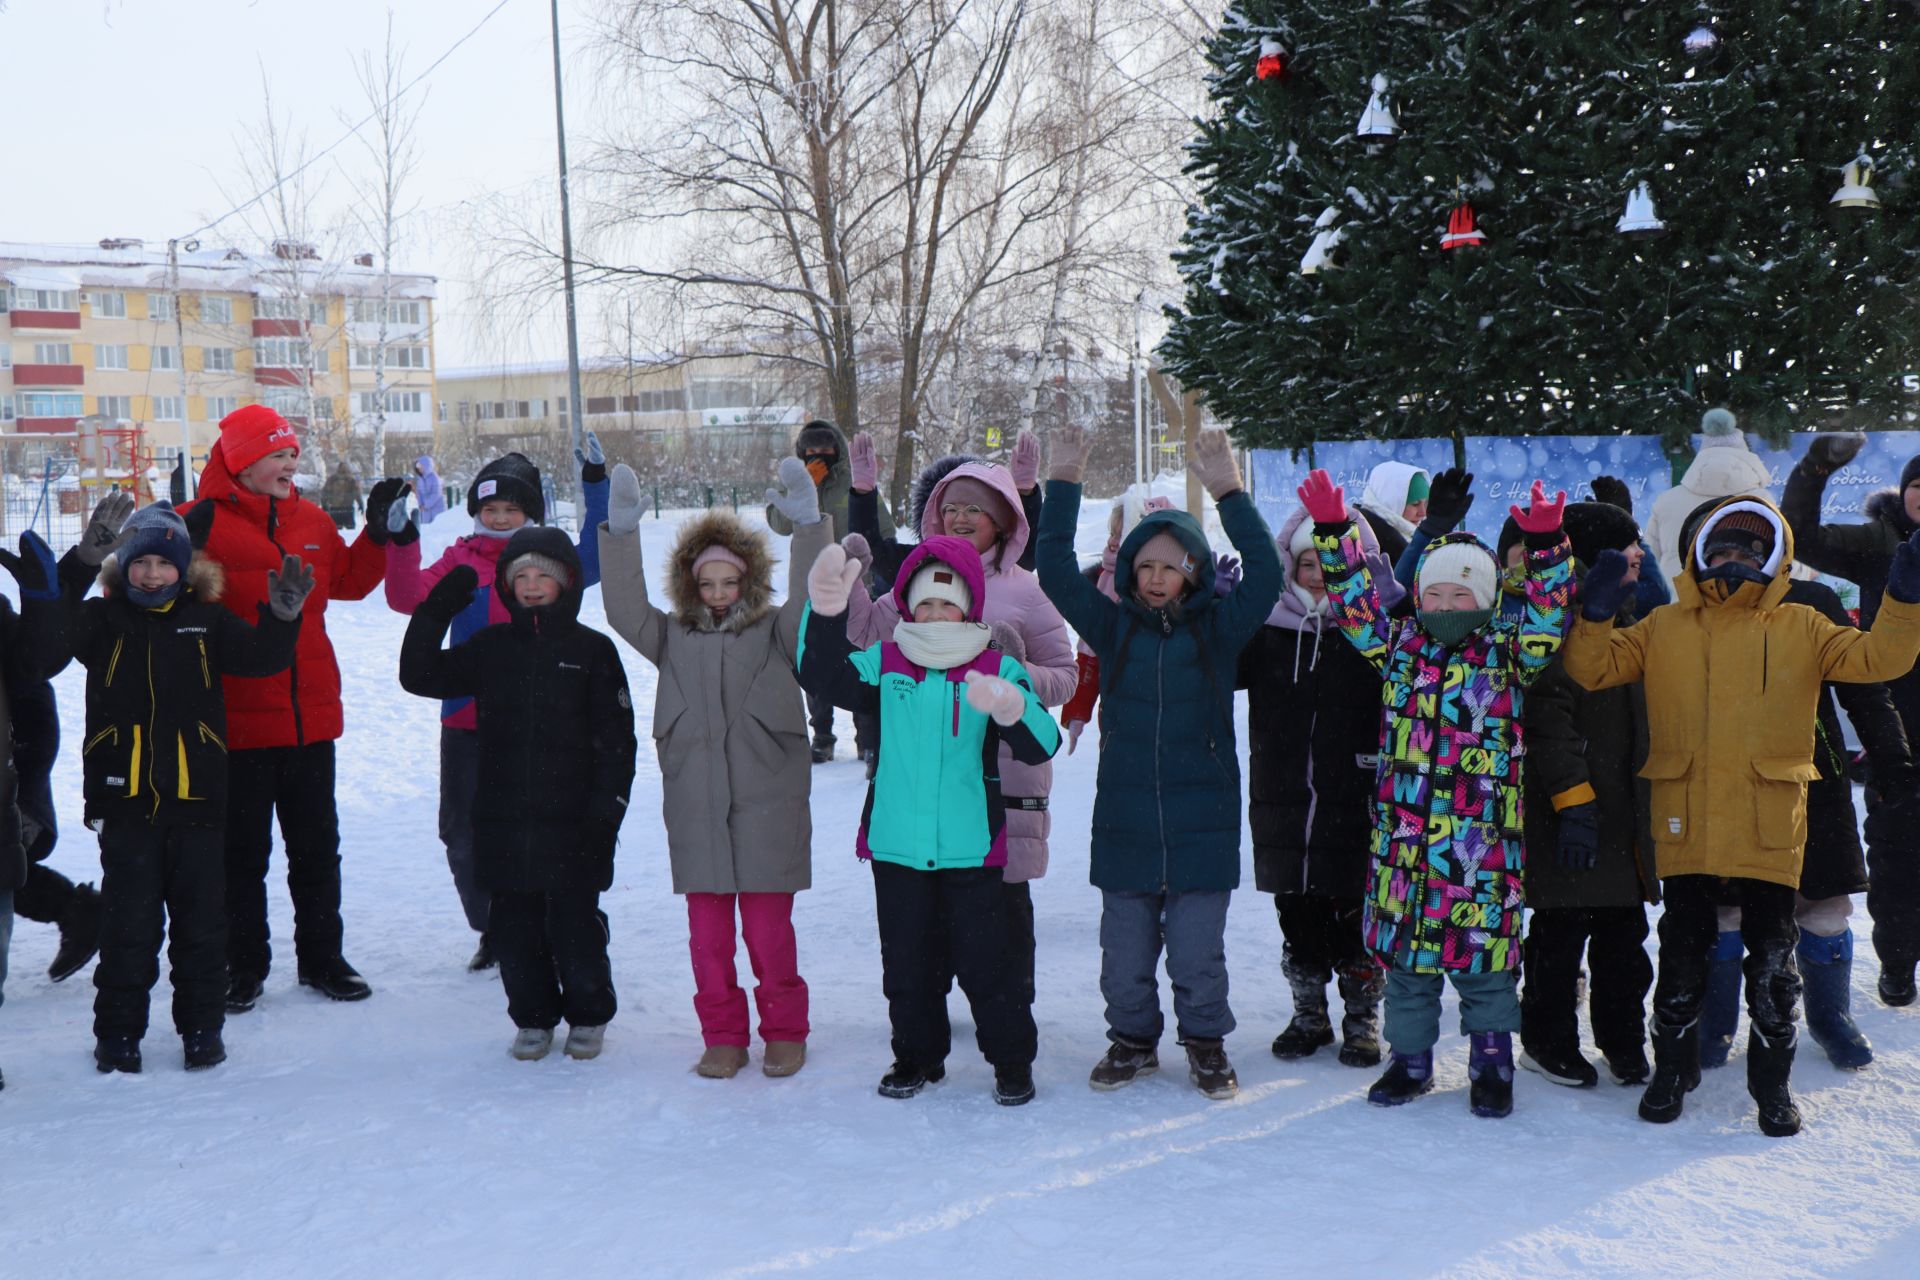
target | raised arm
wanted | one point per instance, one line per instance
(827, 665)
(425, 668)
(1844, 550)
(52, 622)
(1549, 582)
(1244, 610)
(1352, 595)
(623, 584)
(809, 540)
(1086, 610)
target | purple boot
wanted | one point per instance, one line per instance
(1490, 1068)
(1407, 1076)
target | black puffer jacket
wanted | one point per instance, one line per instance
(555, 723)
(155, 748)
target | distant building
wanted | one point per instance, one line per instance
(92, 331)
(713, 396)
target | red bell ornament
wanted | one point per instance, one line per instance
(1273, 62)
(1462, 231)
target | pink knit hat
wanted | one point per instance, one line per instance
(714, 551)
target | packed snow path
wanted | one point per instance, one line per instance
(396, 1137)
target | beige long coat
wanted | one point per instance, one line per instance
(728, 720)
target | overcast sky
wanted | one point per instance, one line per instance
(126, 115)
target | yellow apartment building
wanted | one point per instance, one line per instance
(93, 330)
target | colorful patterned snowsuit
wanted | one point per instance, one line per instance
(1445, 890)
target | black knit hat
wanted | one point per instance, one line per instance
(1747, 532)
(512, 478)
(1593, 527)
(1509, 535)
(1910, 472)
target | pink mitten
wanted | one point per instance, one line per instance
(992, 696)
(863, 462)
(831, 581)
(1326, 502)
(1025, 460)
(1540, 516)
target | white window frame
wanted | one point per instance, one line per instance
(165, 359)
(46, 300)
(109, 304)
(219, 407)
(78, 402)
(281, 352)
(53, 353)
(160, 306)
(222, 309)
(168, 409)
(106, 406)
(216, 359)
(110, 355)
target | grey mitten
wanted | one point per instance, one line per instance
(857, 549)
(401, 530)
(289, 588)
(1009, 640)
(623, 501)
(103, 535)
(795, 497)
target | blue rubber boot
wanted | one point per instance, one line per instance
(1720, 1006)
(1826, 975)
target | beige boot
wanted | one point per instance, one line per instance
(721, 1061)
(784, 1057)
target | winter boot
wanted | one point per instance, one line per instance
(1769, 1066)
(1013, 1085)
(822, 747)
(1309, 1029)
(1720, 1006)
(1490, 1068)
(584, 1043)
(203, 1049)
(1826, 974)
(482, 956)
(1208, 1068)
(1896, 982)
(1676, 1071)
(530, 1044)
(1360, 991)
(1627, 1064)
(1561, 1064)
(903, 1081)
(243, 992)
(79, 928)
(721, 1061)
(117, 1053)
(783, 1058)
(1125, 1061)
(335, 979)
(1407, 1076)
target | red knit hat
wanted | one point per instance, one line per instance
(251, 432)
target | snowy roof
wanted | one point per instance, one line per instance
(220, 269)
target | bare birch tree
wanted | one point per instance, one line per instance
(391, 155)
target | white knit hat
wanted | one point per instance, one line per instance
(545, 564)
(1466, 564)
(938, 581)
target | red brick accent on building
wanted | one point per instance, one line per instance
(48, 375)
(268, 376)
(279, 329)
(44, 426)
(46, 319)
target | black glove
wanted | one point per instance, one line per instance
(1449, 498)
(1613, 491)
(452, 593)
(1605, 588)
(1903, 579)
(199, 522)
(1580, 836)
(33, 568)
(1832, 450)
(592, 459)
(289, 588)
(379, 501)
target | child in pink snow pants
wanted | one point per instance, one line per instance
(735, 768)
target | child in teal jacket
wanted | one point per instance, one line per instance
(934, 825)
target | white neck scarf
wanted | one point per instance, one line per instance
(940, 646)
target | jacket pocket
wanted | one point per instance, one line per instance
(208, 735)
(1780, 800)
(1669, 773)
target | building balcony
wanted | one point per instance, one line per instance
(45, 426)
(46, 319)
(279, 329)
(48, 375)
(270, 376)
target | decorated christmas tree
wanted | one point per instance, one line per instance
(1430, 219)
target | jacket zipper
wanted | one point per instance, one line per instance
(1159, 713)
(206, 673)
(1313, 800)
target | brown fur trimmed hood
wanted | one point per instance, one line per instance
(205, 578)
(756, 584)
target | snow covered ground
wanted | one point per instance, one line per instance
(396, 1137)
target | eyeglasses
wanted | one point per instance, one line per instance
(949, 510)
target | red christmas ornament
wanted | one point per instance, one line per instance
(1273, 62)
(1461, 229)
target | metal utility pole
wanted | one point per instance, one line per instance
(180, 358)
(1139, 395)
(574, 407)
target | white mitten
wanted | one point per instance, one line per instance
(992, 696)
(831, 581)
